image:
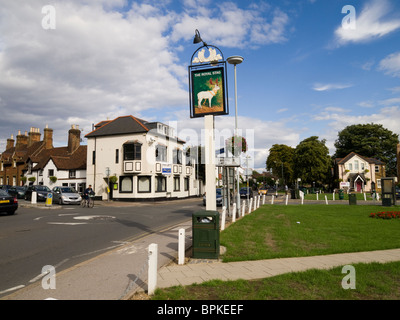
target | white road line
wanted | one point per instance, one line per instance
(67, 223)
(12, 289)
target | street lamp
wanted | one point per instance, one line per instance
(235, 60)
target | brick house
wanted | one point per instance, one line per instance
(358, 173)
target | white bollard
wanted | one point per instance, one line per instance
(302, 198)
(317, 195)
(243, 207)
(272, 199)
(263, 201)
(152, 272)
(251, 204)
(326, 199)
(333, 196)
(286, 200)
(33, 197)
(181, 246)
(255, 203)
(223, 218)
(258, 201)
(234, 212)
(365, 197)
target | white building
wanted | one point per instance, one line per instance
(146, 158)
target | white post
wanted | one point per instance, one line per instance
(263, 201)
(286, 200)
(365, 197)
(223, 218)
(258, 201)
(234, 212)
(181, 246)
(272, 199)
(243, 207)
(33, 197)
(255, 203)
(333, 195)
(251, 204)
(302, 198)
(326, 199)
(152, 277)
(211, 200)
(317, 195)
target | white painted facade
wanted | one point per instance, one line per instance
(139, 179)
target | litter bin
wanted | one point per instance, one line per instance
(352, 199)
(387, 200)
(341, 194)
(205, 241)
(293, 194)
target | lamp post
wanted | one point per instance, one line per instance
(235, 60)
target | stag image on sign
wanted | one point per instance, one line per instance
(208, 92)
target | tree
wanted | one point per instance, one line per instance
(369, 140)
(312, 161)
(280, 160)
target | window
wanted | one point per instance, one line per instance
(376, 168)
(362, 166)
(132, 151)
(144, 184)
(72, 173)
(378, 182)
(116, 155)
(161, 153)
(177, 156)
(350, 166)
(125, 184)
(51, 172)
(186, 183)
(177, 184)
(356, 165)
(40, 172)
(94, 157)
(161, 184)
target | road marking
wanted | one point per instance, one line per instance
(12, 289)
(68, 223)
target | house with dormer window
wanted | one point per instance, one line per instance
(358, 173)
(146, 159)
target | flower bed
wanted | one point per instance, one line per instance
(386, 215)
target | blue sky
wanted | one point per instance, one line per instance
(303, 73)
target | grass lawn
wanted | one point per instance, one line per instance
(278, 231)
(373, 281)
(329, 196)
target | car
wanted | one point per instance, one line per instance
(5, 187)
(244, 191)
(263, 190)
(8, 204)
(218, 196)
(397, 192)
(66, 195)
(18, 192)
(41, 192)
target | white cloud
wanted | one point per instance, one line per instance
(391, 65)
(330, 86)
(372, 23)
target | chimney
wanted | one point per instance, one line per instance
(22, 139)
(74, 138)
(33, 136)
(10, 142)
(48, 138)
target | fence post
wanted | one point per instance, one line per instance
(255, 203)
(251, 204)
(272, 199)
(243, 207)
(326, 199)
(223, 218)
(263, 201)
(181, 246)
(234, 212)
(286, 200)
(152, 278)
(258, 201)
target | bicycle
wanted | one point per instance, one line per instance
(89, 202)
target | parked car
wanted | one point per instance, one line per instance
(397, 192)
(8, 204)
(263, 190)
(41, 191)
(245, 191)
(66, 195)
(18, 192)
(5, 187)
(219, 197)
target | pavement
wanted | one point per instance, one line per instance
(120, 273)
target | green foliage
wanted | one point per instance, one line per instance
(369, 140)
(280, 160)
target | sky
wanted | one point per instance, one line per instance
(311, 67)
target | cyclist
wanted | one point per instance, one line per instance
(88, 191)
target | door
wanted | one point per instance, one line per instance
(359, 185)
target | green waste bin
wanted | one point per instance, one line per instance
(205, 239)
(341, 194)
(352, 199)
